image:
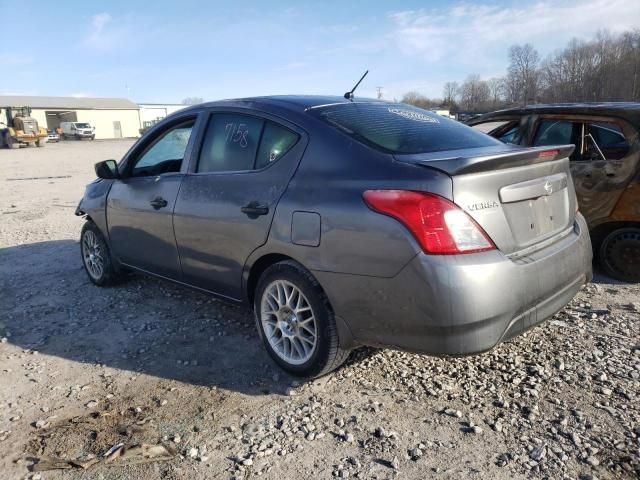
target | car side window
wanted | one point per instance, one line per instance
(609, 139)
(230, 143)
(276, 141)
(512, 135)
(554, 132)
(235, 143)
(559, 132)
(165, 154)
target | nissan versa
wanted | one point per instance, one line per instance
(344, 223)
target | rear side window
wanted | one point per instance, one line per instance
(610, 140)
(235, 143)
(276, 141)
(401, 128)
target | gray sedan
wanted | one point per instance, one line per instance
(344, 223)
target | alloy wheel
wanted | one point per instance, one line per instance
(93, 255)
(288, 322)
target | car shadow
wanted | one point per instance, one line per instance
(48, 304)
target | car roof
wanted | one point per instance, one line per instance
(629, 111)
(292, 102)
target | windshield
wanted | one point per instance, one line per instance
(82, 125)
(400, 128)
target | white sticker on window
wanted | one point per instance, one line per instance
(411, 115)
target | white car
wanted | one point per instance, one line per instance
(77, 130)
(52, 136)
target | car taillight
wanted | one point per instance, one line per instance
(439, 226)
(548, 153)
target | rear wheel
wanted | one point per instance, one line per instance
(12, 143)
(620, 254)
(296, 322)
(96, 256)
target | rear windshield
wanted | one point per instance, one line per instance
(400, 128)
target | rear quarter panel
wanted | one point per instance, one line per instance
(330, 181)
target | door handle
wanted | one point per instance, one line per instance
(254, 208)
(158, 203)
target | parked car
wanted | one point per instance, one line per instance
(77, 130)
(344, 223)
(52, 136)
(605, 167)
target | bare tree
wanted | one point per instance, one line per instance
(606, 68)
(192, 100)
(419, 100)
(496, 91)
(449, 93)
(522, 73)
(474, 94)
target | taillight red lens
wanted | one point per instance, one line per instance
(548, 153)
(439, 225)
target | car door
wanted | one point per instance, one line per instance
(599, 167)
(140, 205)
(226, 203)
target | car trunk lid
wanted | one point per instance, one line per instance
(522, 198)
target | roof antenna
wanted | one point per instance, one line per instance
(349, 95)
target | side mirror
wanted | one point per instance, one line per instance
(107, 169)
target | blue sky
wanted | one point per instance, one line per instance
(163, 51)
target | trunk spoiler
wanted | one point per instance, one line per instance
(486, 159)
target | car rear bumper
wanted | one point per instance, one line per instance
(461, 304)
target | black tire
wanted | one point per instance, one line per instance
(620, 254)
(93, 137)
(109, 273)
(327, 355)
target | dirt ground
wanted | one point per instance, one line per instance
(84, 369)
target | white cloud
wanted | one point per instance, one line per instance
(470, 33)
(105, 34)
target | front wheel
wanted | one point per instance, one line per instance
(296, 322)
(96, 256)
(620, 254)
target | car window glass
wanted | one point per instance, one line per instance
(400, 128)
(276, 141)
(230, 143)
(610, 139)
(511, 135)
(166, 154)
(554, 132)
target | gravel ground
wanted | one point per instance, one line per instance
(83, 369)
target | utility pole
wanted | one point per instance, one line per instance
(379, 89)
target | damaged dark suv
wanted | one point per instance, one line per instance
(605, 167)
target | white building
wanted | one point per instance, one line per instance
(152, 113)
(111, 117)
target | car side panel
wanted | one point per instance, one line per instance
(94, 203)
(330, 181)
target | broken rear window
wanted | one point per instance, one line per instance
(400, 128)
